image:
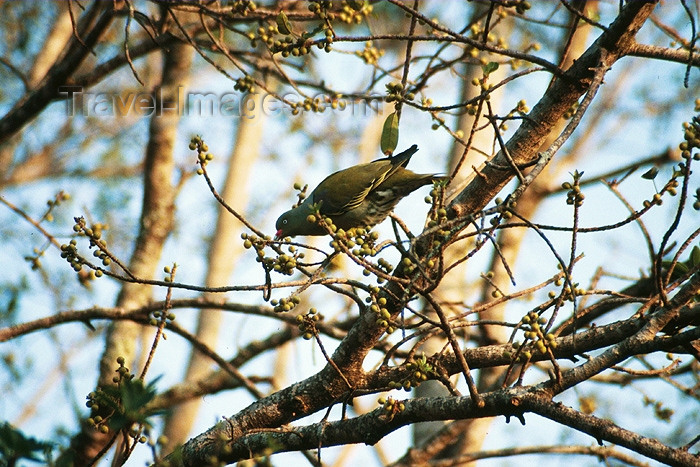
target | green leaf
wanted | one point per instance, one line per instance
(680, 270)
(489, 68)
(390, 134)
(651, 173)
(129, 402)
(313, 32)
(356, 4)
(283, 24)
(16, 445)
(695, 256)
(135, 395)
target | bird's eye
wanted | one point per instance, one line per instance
(284, 221)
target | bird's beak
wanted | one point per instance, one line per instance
(278, 235)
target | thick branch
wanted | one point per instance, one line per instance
(606, 430)
(562, 95)
(33, 103)
(665, 53)
(156, 223)
(326, 387)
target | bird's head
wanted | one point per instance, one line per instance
(296, 221)
(292, 222)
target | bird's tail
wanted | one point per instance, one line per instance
(401, 159)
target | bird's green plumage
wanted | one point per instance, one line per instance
(346, 189)
(359, 196)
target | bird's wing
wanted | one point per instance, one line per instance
(346, 189)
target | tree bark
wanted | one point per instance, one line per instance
(157, 217)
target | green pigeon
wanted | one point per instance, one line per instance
(359, 196)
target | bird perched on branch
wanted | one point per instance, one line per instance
(359, 196)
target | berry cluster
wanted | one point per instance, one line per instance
(321, 7)
(101, 399)
(691, 136)
(521, 109)
(203, 155)
(60, 197)
(354, 11)
(244, 84)
(417, 371)
(296, 47)
(242, 7)
(438, 214)
(307, 323)
(285, 304)
(124, 406)
(309, 104)
(535, 337)
(566, 292)
(281, 38)
(396, 91)
(391, 407)
(383, 317)
(360, 241)
(283, 263)
(69, 251)
(370, 54)
(574, 196)
(521, 6)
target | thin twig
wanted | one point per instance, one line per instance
(452, 338)
(407, 58)
(161, 324)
